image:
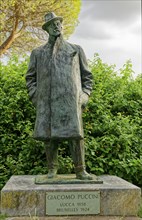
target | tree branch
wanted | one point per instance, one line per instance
(6, 44)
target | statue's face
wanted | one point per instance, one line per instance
(54, 28)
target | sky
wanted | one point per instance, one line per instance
(111, 28)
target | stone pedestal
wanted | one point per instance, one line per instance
(115, 197)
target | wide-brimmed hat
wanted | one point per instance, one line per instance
(50, 16)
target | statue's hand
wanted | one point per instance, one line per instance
(34, 100)
(84, 99)
(33, 96)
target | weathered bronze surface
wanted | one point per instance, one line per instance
(66, 179)
(59, 84)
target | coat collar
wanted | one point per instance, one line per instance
(62, 45)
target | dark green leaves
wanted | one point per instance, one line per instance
(112, 125)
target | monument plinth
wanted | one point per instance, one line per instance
(115, 197)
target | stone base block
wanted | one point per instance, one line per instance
(115, 197)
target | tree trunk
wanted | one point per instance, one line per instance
(7, 43)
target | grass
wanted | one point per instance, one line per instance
(35, 217)
(3, 217)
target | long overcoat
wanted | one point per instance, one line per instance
(55, 83)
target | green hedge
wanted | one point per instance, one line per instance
(112, 125)
(113, 122)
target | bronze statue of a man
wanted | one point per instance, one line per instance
(59, 84)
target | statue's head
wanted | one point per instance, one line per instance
(53, 24)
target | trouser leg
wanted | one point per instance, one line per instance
(52, 157)
(77, 152)
(78, 156)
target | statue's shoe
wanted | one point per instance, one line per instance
(83, 175)
(52, 174)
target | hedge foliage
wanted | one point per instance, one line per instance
(113, 122)
(112, 125)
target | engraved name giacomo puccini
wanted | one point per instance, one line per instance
(71, 196)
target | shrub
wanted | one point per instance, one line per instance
(113, 122)
(112, 125)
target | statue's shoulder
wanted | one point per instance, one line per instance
(76, 47)
(39, 49)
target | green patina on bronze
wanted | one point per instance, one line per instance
(66, 179)
(59, 84)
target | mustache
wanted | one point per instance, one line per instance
(57, 29)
